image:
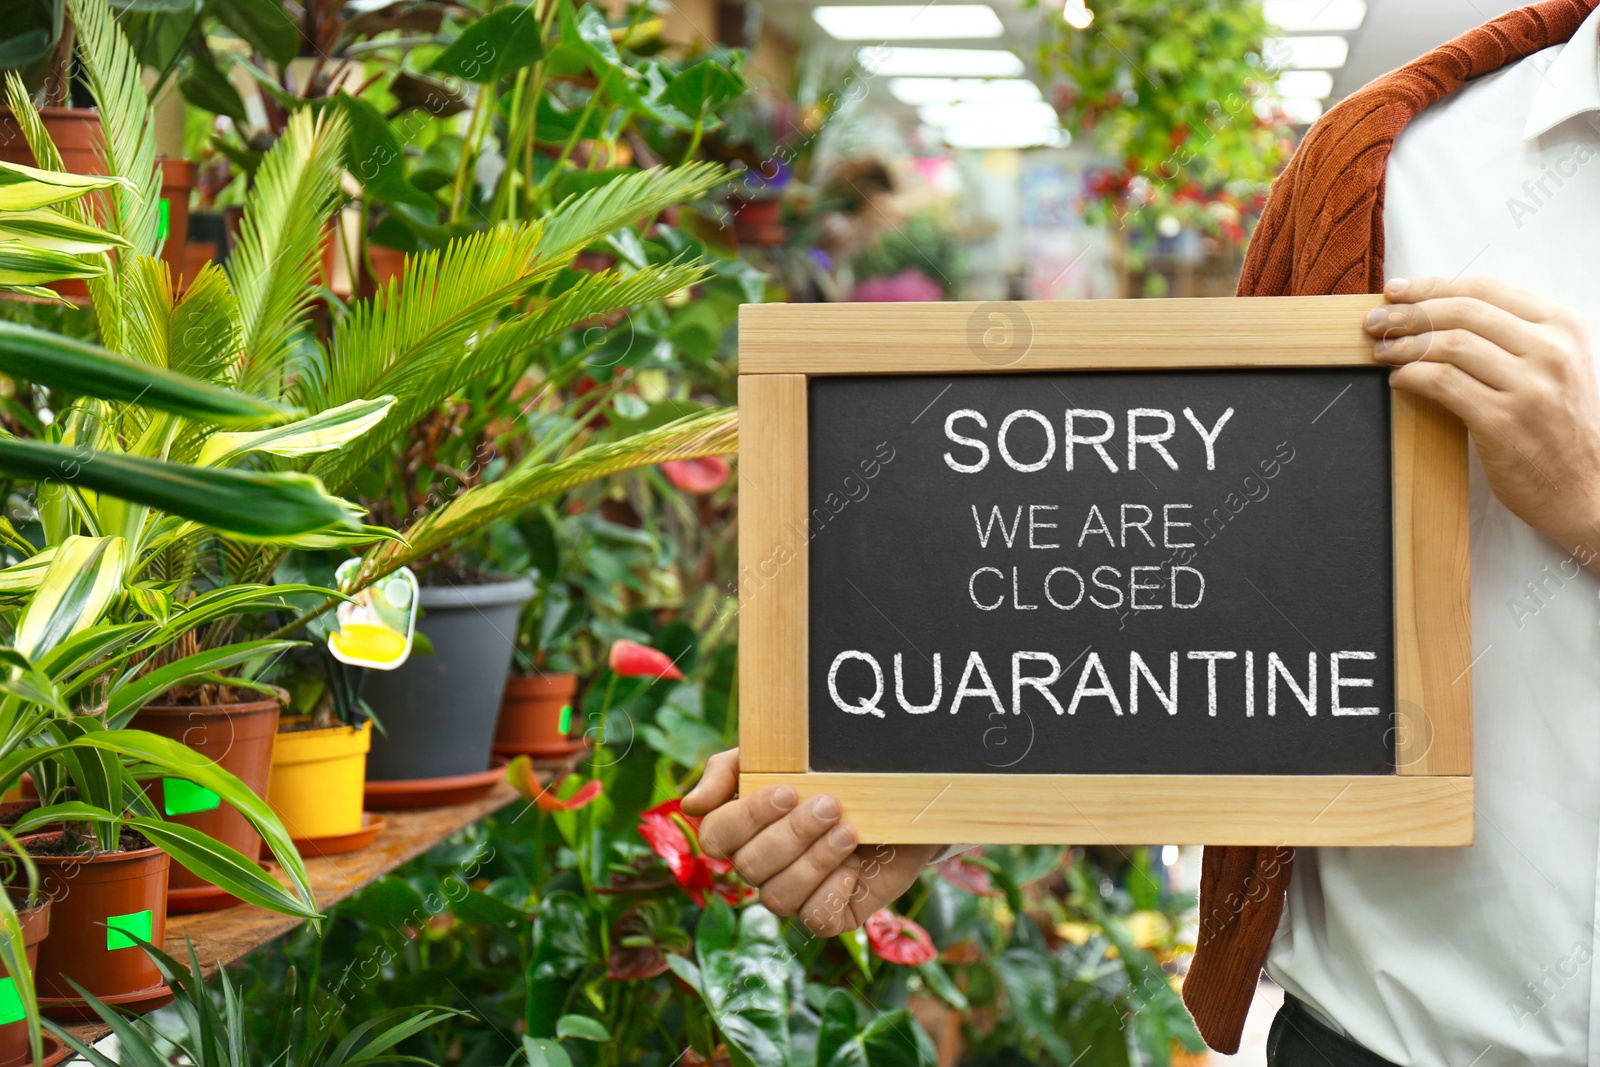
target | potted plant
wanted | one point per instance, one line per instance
(31, 913)
(585, 569)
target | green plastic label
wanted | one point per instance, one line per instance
(179, 796)
(164, 220)
(140, 924)
(564, 724)
(10, 1002)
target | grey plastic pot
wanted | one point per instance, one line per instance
(438, 711)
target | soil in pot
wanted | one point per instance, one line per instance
(238, 736)
(98, 899)
(35, 921)
(439, 711)
(536, 714)
(318, 777)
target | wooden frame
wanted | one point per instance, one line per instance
(1428, 801)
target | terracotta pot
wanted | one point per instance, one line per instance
(14, 1050)
(75, 131)
(77, 135)
(96, 899)
(386, 264)
(177, 180)
(531, 713)
(756, 214)
(239, 738)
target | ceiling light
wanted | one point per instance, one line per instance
(916, 91)
(1317, 84)
(1011, 136)
(1035, 114)
(1306, 53)
(1302, 110)
(1323, 16)
(909, 22)
(1077, 14)
(939, 62)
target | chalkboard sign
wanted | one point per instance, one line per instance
(1102, 572)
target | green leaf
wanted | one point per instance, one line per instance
(248, 505)
(544, 1052)
(84, 576)
(265, 24)
(891, 1039)
(23, 188)
(582, 1027)
(178, 759)
(127, 697)
(223, 866)
(47, 228)
(494, 46)
(322, 432)
(77, 368)
(23, 266)
(699, 88)
(745, 980)
(374, 155)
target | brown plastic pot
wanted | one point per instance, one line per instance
(14, 1050)
(531, 713)
(94, 899)
(177, 180)
(238, 737)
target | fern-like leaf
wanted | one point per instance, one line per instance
(706, 433)
(426, 381)
(130, 149)
(280, 242)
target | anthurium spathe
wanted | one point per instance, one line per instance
(675, 837)
(630, 659)
(519, 772)
(898, 939)
(704, 475)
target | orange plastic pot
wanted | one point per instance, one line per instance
(14, 1050)
(239, 737)
(77, 134)
(177, 180)
(535, 715)
(97, 901)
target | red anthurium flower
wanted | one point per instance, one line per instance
(897, 939)
(633, 660)
(674, 837)
(969, 876)
(704, 475)
(519, 772)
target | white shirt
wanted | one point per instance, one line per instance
(1486, 955)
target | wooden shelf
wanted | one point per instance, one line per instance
(220, 937)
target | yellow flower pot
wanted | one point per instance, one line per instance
(318, 777)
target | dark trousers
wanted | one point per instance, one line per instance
(1299, 1040)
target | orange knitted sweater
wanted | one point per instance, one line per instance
(1322, 232)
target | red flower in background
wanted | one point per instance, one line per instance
(899, 940)
(630, 659)
(519, 772)
(966, 875)
(674, 837)
(704, 475)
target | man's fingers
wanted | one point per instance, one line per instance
(828, 911)
(784, 841)
(1479, 357)
(1519, 302)
(787, 891)
(1467, 398)
(729, 828)
(717, 785)
(1430, 318)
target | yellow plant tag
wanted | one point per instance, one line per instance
(375, 629)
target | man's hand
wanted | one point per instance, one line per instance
(803, 859)
(1517, 370)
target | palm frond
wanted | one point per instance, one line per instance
(280, 241)
(445, 298)
(706, 433)
(114, 79)
(424, 382)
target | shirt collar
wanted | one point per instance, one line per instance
(1571, 83)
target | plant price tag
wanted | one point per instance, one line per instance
(375, 628)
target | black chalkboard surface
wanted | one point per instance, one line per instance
(1117, 572)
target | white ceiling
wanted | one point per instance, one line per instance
(1398, 31)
